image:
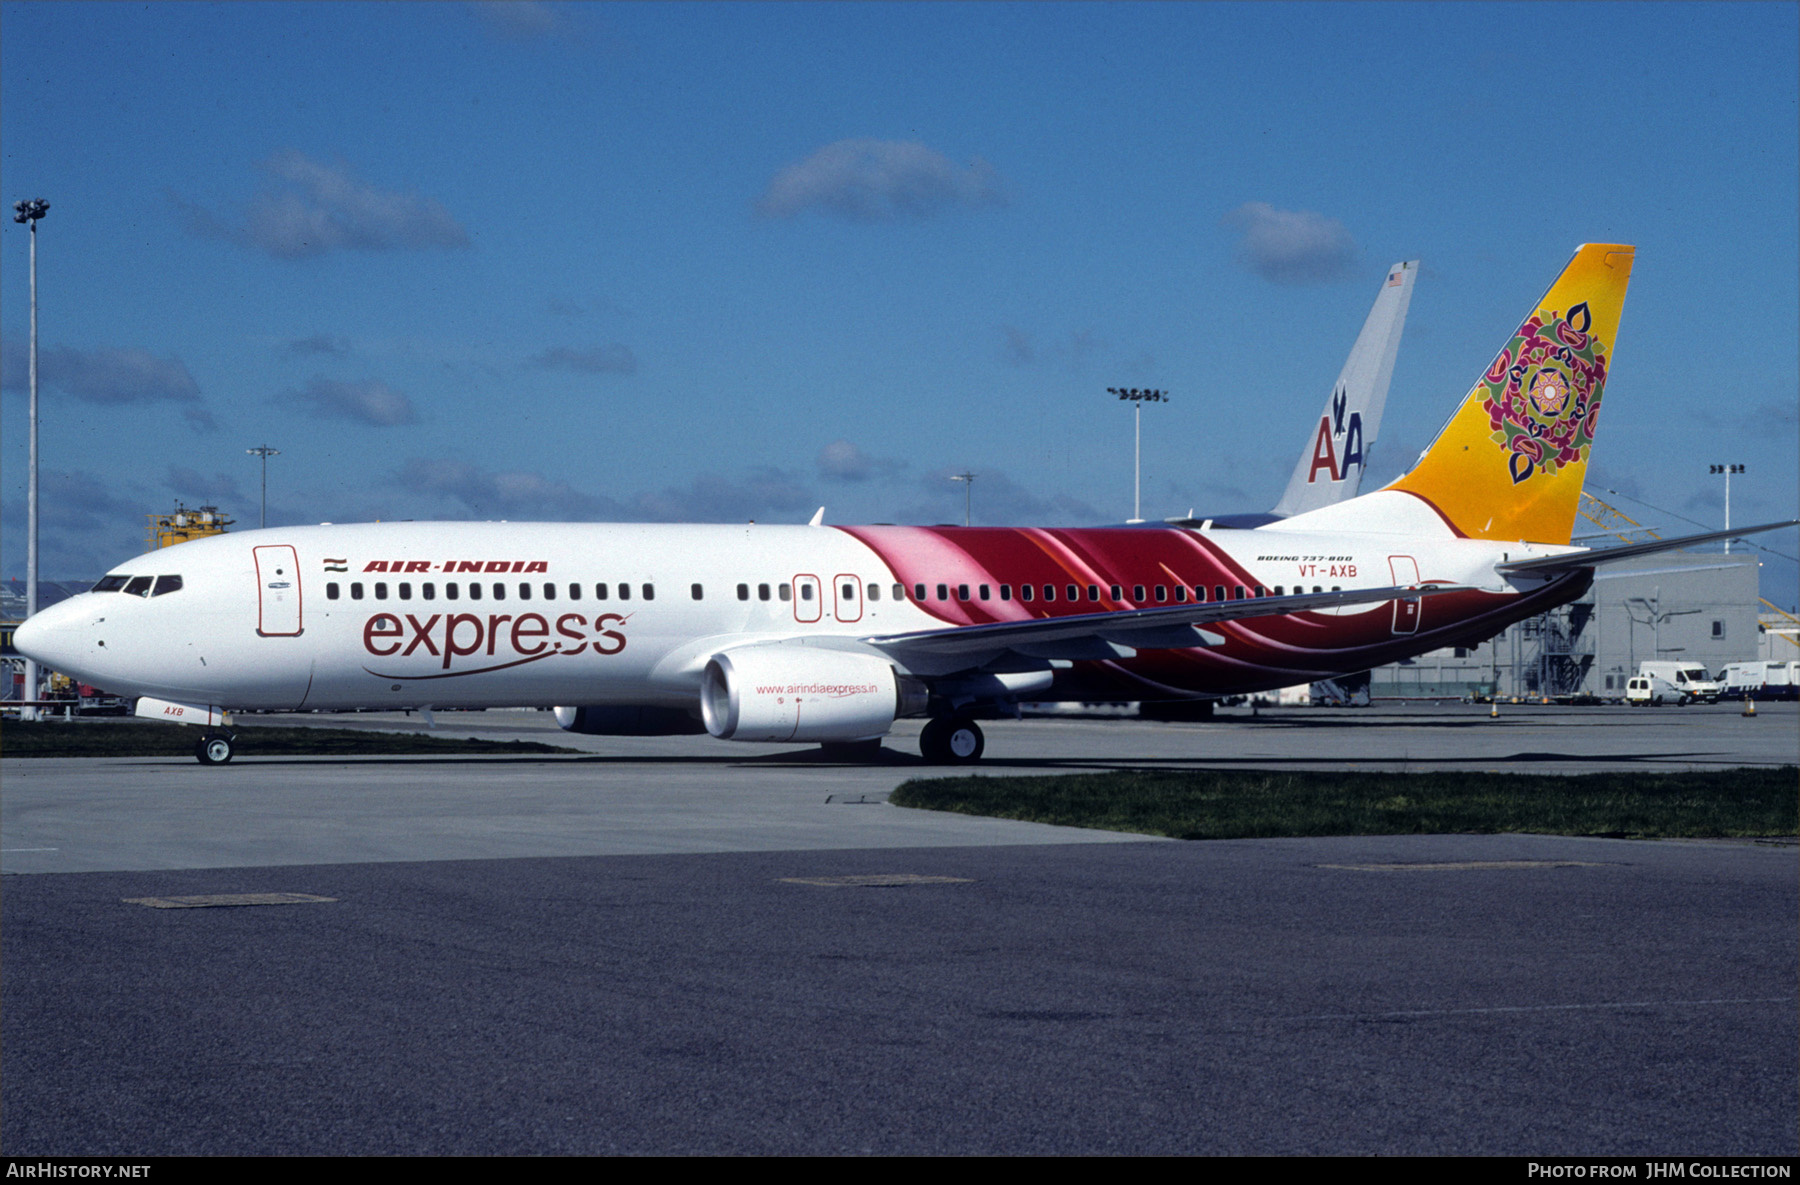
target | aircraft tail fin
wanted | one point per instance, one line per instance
(1510, 462)
(1331, 466)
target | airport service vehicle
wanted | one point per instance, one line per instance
(826, 634)
(1690, 679)
(1652, 691)
(1760, 680)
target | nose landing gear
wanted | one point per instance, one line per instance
(214, 748)
(952, 740)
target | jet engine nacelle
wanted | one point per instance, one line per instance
(628, 720)
(803, 693)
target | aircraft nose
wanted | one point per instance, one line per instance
(47, 637)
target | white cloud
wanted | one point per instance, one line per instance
(1292, 246)
(367, 402)
(314, 208)
(866, 180)
(842, 460)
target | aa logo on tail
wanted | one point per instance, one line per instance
(1338, 445)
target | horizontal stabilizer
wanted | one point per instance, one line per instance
(1553, 565)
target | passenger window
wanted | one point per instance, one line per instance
(574, 591)
(962, 592)
(1006, 592)
(599, 592)
(1218, 592)
(524, 591)
(624, 592)
(380, 590)
(1026, 592)
(499, 591)
(1180, 594)
(1237, 592)
(874, 592)
(1162, 592)
(1049, 592)
(1259, 590)
(406, 592)
(918, 592)
(1074, 592)
(452, 591)
(1093, 592)
(1199, 592)
(428, 591)
(849, 592)
(943, 591)
(355, 590)
(1118, 594)
(806, 591)
(1137, 593)
(649, 592)
(695, 591)
(784, 590)
(1277, 590)
(110, 584)
(331, 591)
(474, 590)
(744, 592)
(549, 591)
(982, 592)
(899, 592)
(762, 592)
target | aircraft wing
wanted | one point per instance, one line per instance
(1117, 634)
(1556, 565)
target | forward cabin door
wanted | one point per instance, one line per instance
(277, 591)
(1405, 570)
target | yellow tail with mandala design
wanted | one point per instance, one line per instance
(1510, 463)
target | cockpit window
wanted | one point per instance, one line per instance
(139, 586)
(112, 583)
(166, 584)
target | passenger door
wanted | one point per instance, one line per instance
(277, 591)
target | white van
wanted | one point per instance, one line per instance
(1647, 691)
(1689, 678)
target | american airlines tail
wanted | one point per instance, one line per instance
(1331, 466)
(1510, 462)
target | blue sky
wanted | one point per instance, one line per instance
(719, 262)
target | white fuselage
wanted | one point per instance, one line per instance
(391, 615)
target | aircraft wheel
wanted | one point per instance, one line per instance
(952, 741)
(213, 750)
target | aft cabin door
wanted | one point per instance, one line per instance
(277, 591)
(1405, 571)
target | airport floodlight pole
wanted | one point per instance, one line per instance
(265, 452)
(1727, 470)
(1138, 398)
(968, 480)
(29, 213)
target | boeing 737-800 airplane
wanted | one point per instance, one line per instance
(829, 634)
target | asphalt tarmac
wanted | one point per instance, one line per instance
(673, 945)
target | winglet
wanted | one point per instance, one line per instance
(818, 518)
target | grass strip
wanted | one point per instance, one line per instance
(1254, 804)
(98, 739)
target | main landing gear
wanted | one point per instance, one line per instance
(951, 740)
(214, 748)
